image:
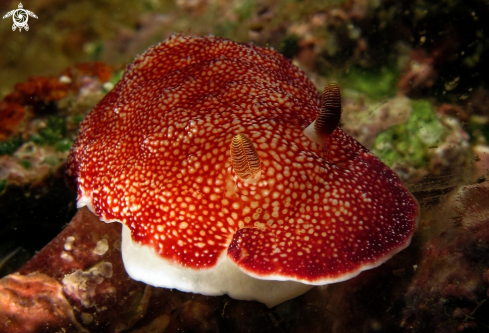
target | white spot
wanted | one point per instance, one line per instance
(69, 243)
(66, 256)
(101, 247)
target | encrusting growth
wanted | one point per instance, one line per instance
(329, 116)
(244, 159)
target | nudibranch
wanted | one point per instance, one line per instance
(210, 155)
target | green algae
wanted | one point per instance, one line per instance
(54, 131)
(408, 143)
(375, 83)
(9, 146)
(63, 145)
(53, 134)
(26, 164)
(289, 46)
(76, 119)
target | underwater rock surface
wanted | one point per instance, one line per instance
(443, 288)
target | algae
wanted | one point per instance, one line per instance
(408, 143)
(9, 146)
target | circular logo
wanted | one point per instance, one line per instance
(20, 16)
